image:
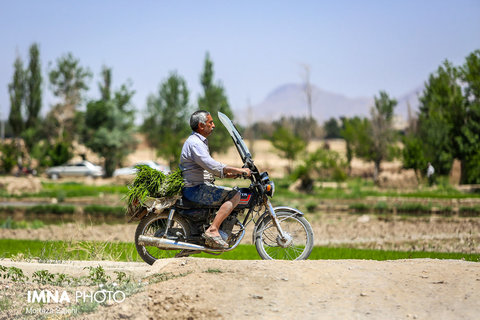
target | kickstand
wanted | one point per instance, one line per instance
(186, 253)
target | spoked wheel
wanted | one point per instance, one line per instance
(297, 243)
(155, 226)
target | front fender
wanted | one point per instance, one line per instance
(266, 215)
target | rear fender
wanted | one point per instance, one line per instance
(266, 215)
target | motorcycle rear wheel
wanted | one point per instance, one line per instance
(154, 226)
(297, 246)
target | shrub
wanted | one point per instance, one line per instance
(323, 164)
(9, 153)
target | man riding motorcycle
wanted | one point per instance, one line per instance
(199, 169)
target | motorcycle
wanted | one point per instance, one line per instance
(173, 227)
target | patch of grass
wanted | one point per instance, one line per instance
(43, 277)
(381, 207)
(86, 307)
(95, 209)
(97, 275)
(165, 276)
(413, 208)
(50, 208)
(58, 251)
(445, 211)
(211, 270)
(13, 274)
(248, 252)
(33, 248)
(464, 211)
(64, 190)
(40, 209)
(319, 253)
(5, 303)
(359, 207)
(311, 206)
(9, 223)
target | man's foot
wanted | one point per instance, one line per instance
(214, 241)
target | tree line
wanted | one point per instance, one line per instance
(106, 125)
(447, 125)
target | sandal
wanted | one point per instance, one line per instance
(215, 242)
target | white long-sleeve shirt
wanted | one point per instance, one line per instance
(196, 163)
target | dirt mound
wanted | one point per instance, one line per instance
(404, 179)
(19, 185)
(195, 288)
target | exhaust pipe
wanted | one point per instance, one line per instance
(163, 243)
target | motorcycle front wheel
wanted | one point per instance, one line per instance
(298, 241)
(155, 226)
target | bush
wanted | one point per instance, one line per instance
(323, 164)
(9, 153)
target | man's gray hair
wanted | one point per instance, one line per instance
(197, 117)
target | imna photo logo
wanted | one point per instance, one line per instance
(100, 296)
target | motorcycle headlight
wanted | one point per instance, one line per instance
(270, 188)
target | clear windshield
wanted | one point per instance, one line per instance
(237, 138)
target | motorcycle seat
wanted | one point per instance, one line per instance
(184, 203)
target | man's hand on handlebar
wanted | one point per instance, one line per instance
(246, 172)
(230, 172)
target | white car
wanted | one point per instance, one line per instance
(75, 169)
(132, 170)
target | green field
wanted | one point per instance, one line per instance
(48, 251)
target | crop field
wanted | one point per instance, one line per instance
(408, 235)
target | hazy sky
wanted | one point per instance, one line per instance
(355, 48)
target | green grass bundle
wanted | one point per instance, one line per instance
(153, 183)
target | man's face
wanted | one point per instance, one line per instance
(207, 128)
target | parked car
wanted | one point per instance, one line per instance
(132, 170)
(75, 169)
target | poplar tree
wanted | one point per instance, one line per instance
(33, 100)
(34, 88)
(16, 90)
(213, 100)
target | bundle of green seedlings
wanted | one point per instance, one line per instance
(153, 183)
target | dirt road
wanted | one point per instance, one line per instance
(343, 289)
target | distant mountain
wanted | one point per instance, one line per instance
(289, 100)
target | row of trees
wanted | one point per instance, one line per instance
(168, 113)
(105, 125)
(370, 139)
(447, 127)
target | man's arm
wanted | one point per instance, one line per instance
(232, 172)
